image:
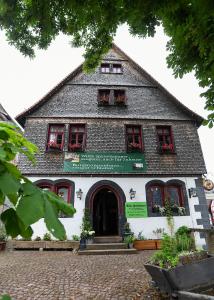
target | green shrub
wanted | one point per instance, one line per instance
(75, 237)
(3, 235)
(184, 240)
(47, 237)
(182, 230)
(129, 239)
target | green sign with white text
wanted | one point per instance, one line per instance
(101, 162)
(136, 210)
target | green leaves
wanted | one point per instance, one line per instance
(28, 203)
(52, 222)
(31, 208)
(14, 225)
(9, 184)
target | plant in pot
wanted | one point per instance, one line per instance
(129, 240)
(177, 266)
(141, 243)
(3, 238)
(87, 232)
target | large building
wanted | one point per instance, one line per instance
(118, 143)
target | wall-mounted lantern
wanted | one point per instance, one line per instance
(79, 194)
(192, 192)
(132, 193)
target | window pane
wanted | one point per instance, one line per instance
(105, 68)
(63, 192)
(117, 68)
(53, 137)
(156, 196)
(55, 128)
(173, 193)
(129, 129)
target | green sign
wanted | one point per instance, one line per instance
(136, 210)
(99, 162)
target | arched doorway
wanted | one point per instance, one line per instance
(105, 212)
(105, 201)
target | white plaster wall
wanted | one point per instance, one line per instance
(147, 225)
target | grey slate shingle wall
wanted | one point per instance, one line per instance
(109, 135)
(81, 100)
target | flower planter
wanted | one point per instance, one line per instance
(2, 245)
(145, 244)
(89, 241)
(193, 276)
(158, 244)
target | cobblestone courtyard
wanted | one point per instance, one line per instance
(64, 275)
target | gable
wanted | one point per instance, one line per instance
(76, 95)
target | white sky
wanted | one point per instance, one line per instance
(24, 81)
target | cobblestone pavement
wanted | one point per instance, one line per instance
(64, 275)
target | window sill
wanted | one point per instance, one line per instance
(167, 152)
(160, 215)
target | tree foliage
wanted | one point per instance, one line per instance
(93, 24)
(28, 203)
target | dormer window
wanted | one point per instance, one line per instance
(110, 68)
(105, 68)
(103, 97)
(120, 97)
(117, 68)
(165, 139)
(55, 137)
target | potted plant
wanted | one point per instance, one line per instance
(87, 233)
(54, 145)
(177, 266)
(141, 243)
(3, 238)
(129, 240)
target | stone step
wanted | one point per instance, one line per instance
(107, 252)
(107, 239)
(106, 246)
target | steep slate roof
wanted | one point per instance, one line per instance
(22, 117)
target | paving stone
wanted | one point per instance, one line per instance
(65, 276)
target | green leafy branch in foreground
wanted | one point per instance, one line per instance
(28, 203)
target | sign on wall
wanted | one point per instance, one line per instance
(136, 210)
(99, 162)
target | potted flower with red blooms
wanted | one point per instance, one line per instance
(54, 145)
(75, 147)
(167, 147)
(134, 146)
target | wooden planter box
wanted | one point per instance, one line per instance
(147, 244)
(35, 245)
(196, 276)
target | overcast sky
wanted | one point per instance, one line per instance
(24, 81)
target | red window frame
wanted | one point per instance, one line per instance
(105, 68)
(104, 97)
(134, 146)
(165, 193)
(77, 146)
(64, 185)
(165, 139)
(55, 187)
(53, 144)
(120, 96)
